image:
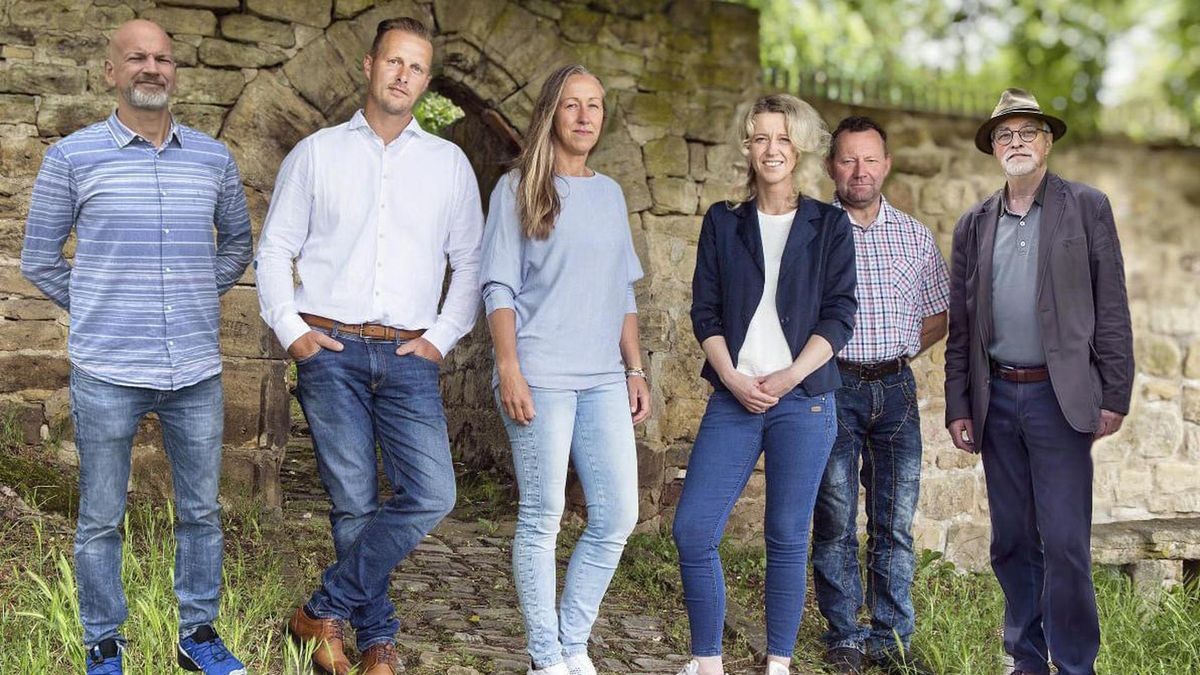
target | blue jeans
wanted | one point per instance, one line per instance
(106, 418)
(795, 436)
(878, 421)
(354, 400)
(593, 428)
(1039, 481)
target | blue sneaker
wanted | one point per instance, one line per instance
(105, 658)
(204, 652)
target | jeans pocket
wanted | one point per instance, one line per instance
(310, 357)
(422, 359)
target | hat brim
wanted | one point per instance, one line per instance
(983, 137)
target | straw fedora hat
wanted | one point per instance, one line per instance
(1015, 102)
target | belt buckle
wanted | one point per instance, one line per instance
(362, 328)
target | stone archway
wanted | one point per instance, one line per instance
(484, 135)
(262, 75)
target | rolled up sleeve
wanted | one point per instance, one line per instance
(707, 308)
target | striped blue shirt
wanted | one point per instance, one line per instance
(143, 289)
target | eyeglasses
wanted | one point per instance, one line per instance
(1027, 134)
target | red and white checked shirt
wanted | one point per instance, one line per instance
(902, 278)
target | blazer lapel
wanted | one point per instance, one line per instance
(986, 230)
(748, 231)
(801, 233)
(1052, 212)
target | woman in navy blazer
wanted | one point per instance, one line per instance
(772, 302)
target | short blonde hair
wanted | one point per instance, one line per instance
(805, 128)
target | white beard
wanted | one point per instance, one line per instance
(1020, 166)
(149, 100)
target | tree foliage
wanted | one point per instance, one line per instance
(435, 112)
(1064, 51)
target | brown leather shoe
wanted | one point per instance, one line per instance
(328, 655)
(380, 659)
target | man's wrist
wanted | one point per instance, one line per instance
(635, 371)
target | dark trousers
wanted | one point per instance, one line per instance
(878, 426)
(1039, 481)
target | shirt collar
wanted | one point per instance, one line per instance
(359, 121)
(885, 214)
(1038, 196)
(123, 135)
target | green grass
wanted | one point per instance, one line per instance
(958, 615)
(39, 624)
(1141, 635)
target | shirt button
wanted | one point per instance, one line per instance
(171, 343)
(166, 230)
(1022, 223)
(168, 308)
(1022, 244)
(162, 194)
(166, 269)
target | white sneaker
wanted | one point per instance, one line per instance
(559, 668)
(776, 668)
(692, 668)
(580, 664)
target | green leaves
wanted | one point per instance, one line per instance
(435, 112)
(1124, 66)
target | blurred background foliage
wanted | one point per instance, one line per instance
(435, 112)
(1113, 66)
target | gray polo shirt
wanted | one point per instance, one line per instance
(1016, 337)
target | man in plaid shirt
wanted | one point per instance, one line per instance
(903, 292)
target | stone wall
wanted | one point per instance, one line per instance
(262, 74)
(1149, 469)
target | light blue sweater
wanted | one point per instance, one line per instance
(570, 291)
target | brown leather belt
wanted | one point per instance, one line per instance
(1022, 375)
(365, 330)
(873, 371)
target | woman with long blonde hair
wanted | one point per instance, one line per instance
(558, 273)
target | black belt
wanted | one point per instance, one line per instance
(874, 371)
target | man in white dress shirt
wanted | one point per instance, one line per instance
(370, 211)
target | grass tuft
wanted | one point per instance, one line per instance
(39, 616)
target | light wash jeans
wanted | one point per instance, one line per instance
(592, 428)
(355, 399)
(106, 418)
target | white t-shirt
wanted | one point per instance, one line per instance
(766, 349)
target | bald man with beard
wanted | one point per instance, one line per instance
(162, 231)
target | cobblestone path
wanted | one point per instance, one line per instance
(455, 598)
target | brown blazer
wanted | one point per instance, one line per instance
(1083, 310)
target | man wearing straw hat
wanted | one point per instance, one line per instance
(1039, 364)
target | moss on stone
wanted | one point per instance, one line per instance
(43, 485)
